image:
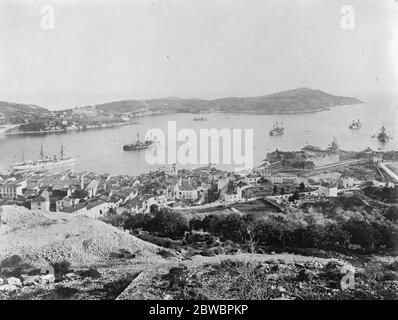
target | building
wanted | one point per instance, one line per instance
(77, 209)
(92, 188)
(347, 182)
(327, 190)
(98, 208)
(160, 201)
(13, 189)
(252, 179)
(184, 190)
(40, 203)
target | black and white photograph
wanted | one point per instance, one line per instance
(198, 150)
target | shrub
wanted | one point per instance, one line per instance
(90, 273)
(166, 253)
(61, 268)
(170, 224)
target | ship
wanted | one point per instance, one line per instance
(382, 136)
(199, 119)
(277, 129)
(355, 125)
(44, 162)
(139, 145)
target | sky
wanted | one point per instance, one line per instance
(108, 50)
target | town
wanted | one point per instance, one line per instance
(284, 179)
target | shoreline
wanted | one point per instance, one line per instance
(5, 132)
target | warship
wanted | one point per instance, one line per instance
(139, 145)
(277, 129)
(355, 125)
(44, 161)
(382, 136)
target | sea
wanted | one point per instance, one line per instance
(101, 150)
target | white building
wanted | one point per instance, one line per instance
(252, 179)
(183, 190)
(92, 188)
(40, 203)
(13, 189)
(157, 200)
(327, 190)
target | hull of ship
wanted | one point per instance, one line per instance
(43, 165)
(276, 133)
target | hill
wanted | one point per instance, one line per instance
(291, 101)
(18, 112)
(49, 237)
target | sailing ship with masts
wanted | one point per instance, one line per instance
(277, 129)
(44, 161)
(355, 125)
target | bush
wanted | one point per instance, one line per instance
(11, 262)
(61, 268)
(90, 273)
(166, 253)
(170, 224)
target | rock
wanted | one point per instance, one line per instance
(47, 279)
(347, 268)
(281, 289)
(14, 281)
(30, 280)
(70, 276)
(8, 288)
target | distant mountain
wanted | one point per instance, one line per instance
(18, 112)
(291, 101)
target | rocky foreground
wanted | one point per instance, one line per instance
(55, 256)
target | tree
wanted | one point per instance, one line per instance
(392, 214)
(275, 190)
(283, 191)
(170, 224)
(302, 187)
(295, 196)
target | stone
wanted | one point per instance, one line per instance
(14, 281)
(70, 276)
(8, 288)
(47, 279)
(305, 275)
(31, 280)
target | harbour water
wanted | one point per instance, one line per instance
(102, 150)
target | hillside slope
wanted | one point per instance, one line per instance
(291, 101)
(50, 237)
(17, 112)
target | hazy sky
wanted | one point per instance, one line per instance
(110, 50)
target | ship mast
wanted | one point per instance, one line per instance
(23, 155)
(41, 151)
(62, 151)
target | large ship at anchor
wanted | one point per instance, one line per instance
(355, 125)
(383, 137)
(44, 162)
(139, 145)
(277, 129)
